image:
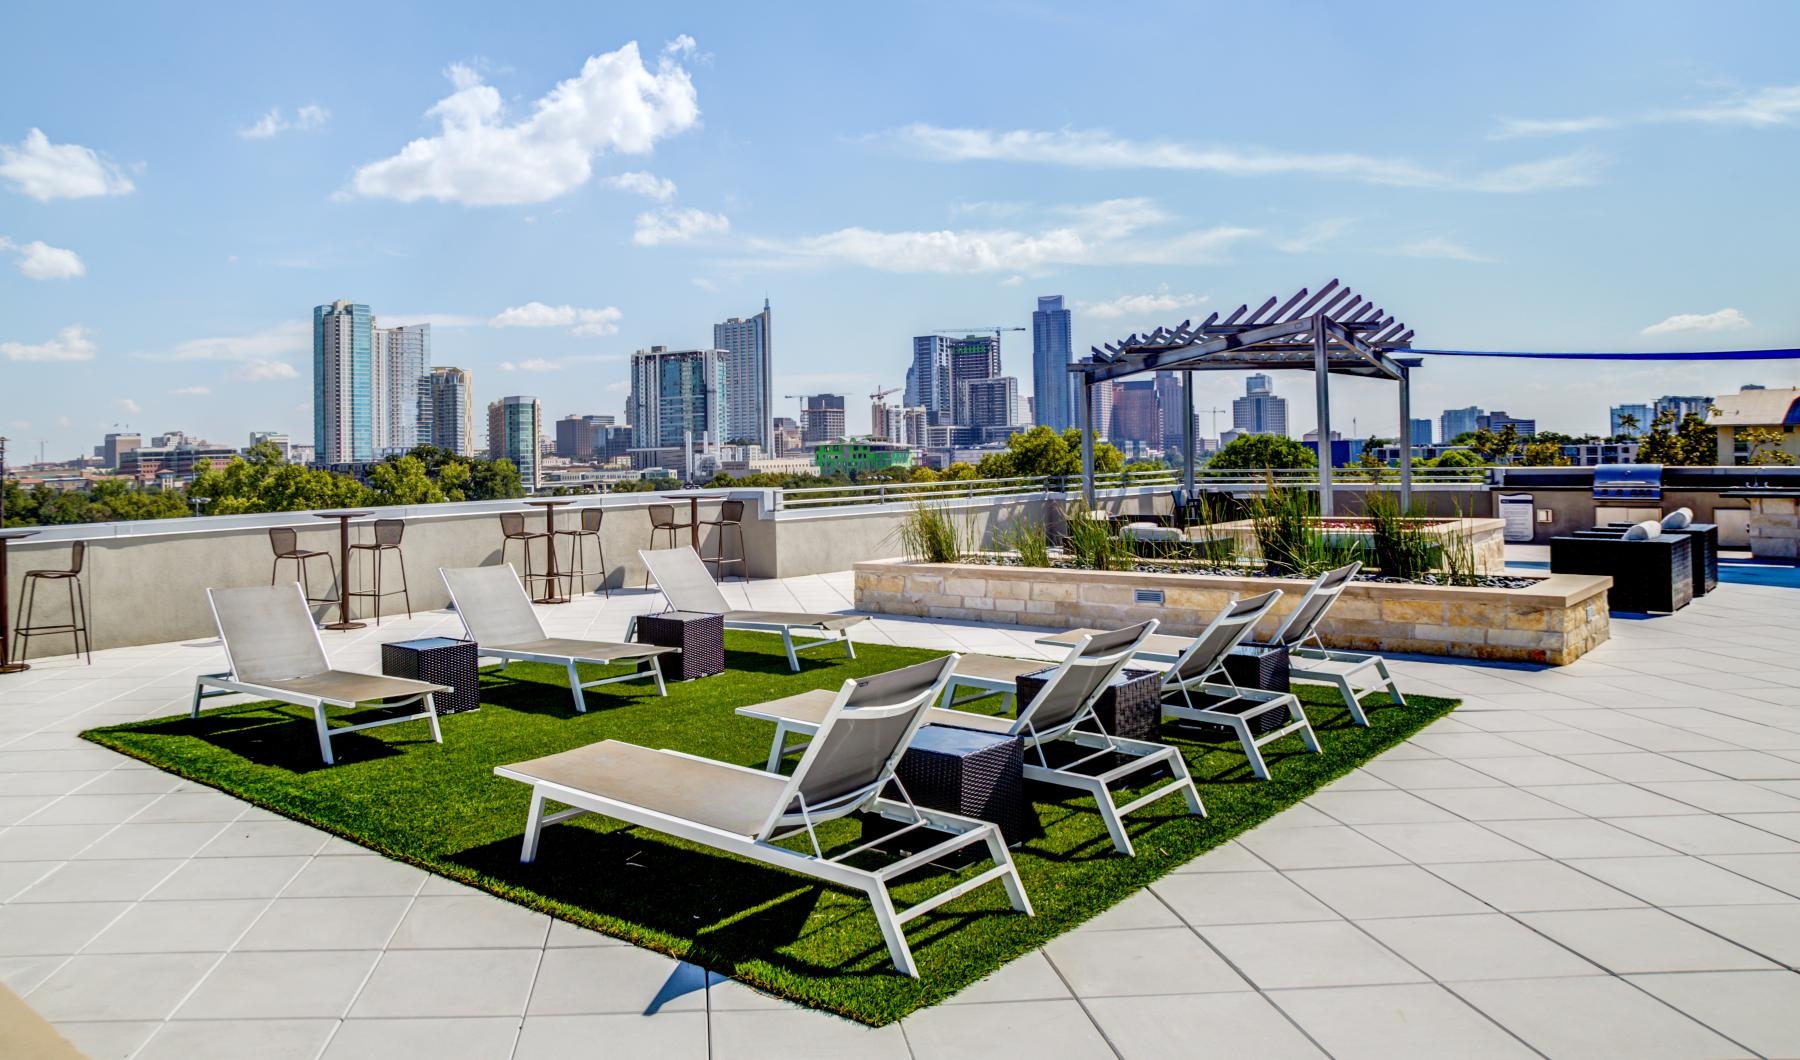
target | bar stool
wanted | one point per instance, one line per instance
(589, 527)
(731, 517)
(662, 517)
(77, 625)
(286, 543)
(388, 533)
(512, 528)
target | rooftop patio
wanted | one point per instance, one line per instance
(1601, 858)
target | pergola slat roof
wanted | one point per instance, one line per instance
(1360, 338)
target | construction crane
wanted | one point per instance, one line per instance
(1215, 415)
(881, 395)
(995, 328)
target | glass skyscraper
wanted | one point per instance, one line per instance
(1052, 348)
(929, 379)
(343, 383)
(402, 368)
(749, 400)
(1259, 411)
(514, 427)
(447, 411)
(676, 397)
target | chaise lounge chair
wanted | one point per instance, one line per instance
(747, 812)
(275, 652)
(1310, 660)
(497, 613)
(685, 583)
(1200, 669)
(1063, 711)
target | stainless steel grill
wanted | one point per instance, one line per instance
(1628, 482)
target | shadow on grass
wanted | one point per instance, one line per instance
(286, 737)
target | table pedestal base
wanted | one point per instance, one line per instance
(344, 625)
(13, 668)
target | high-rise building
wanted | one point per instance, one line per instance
(1641, 418)
(991, 404)
(914, 423)
(580, 437)
(749, 398)
(677, 400)
(1259, 411)
(887, 423)
(1455, 422)
(279, 439)
(116, 446)
(1421, 432)
(972, 357)
(343, 382)
(514, 425)
(928, 381)
(1170, 404)
(1134, 416)
(402, 363)
(447, 411)
(1498, 421)
(1052, 348)
(1683, 405)
(822, 419)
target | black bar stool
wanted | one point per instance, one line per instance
(77, 625)
(512, 528)
(731, 517)
(286, 543)
(388, 533)
(662, 517)
(589, 527)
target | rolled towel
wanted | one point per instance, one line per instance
(1678, 519)
(1648, 530)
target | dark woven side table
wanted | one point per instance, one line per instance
(1129, 707)
(969, 773)
(1263, 666)
(699, 636)
(439, 661)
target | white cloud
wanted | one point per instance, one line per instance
(39, 260)
(478, 158)
(191, 391)
(683, 45)
(1439, 248)
(535, 364)
(311, 116)
(1515, 128)
(70, 344)
(1015, 280)
(603, 321)
(1140, 305)
(1763, 107)
(1098, 149)
(128, 406)
(1727, 319)
(648, 185)
(45, 171)
(1315, 236)
(1105, 233)
(260, 371)
(677, 226)
(292, 338)
(704, 284)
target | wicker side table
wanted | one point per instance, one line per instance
(439, 661)
(974, 774)
(699, 636)
(1129, 707)
(1263, 666)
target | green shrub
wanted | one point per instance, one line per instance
(931, 534)
(1399, 544)
(1028, 537)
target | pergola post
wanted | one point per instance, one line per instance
(1087, 443)
(1406, 442)
(1187, 435)
(1322, 392)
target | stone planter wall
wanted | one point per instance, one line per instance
(1557, 621)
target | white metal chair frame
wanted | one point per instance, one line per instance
(1331, 666)
(568, 662)
(716, 604)
(784, 822)
(211, 686)
(1222, 634)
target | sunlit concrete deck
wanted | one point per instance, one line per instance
(1601, 859)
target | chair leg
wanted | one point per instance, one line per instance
(534, 826)
(431, 706)
(890, 929)
(1388, 679)
(405, 590)
(375, 564)
(575, 688)
(274, 569)
(605, 575)
(324, 733)
(22, 634)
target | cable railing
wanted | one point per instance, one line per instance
(874, 493)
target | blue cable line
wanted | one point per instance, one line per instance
(1718, 355)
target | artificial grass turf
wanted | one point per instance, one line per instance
(441, 807)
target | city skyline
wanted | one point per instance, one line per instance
(159, 249)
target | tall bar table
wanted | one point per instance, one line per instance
(343, 519)
(693, 499)
(7, 666)
(550, 504)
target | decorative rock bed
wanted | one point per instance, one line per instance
(1555, 621)
(1486, 538)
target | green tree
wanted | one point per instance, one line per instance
(1687, 441)
(404, 481)
(1042, 451)
(493, 480)
(1455, 458)
(1262, 452)
(1539, 453)
(1628, 426)
(1764, 445)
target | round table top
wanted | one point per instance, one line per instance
(14, 534)
(340, 515)
(551, 502)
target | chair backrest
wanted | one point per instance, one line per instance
(662, 515)
(1080, 680)
(859, 744)
(268, 632)
(493, 604)
(77, 553)
(731, 511)
(684, 580)
(283, 540)
(590, 519)
(512, 524)
(1225, 632)
(1303, 622)
(389, 531)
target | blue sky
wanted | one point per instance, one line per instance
(180, 185)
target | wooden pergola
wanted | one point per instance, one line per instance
(1335, 331)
